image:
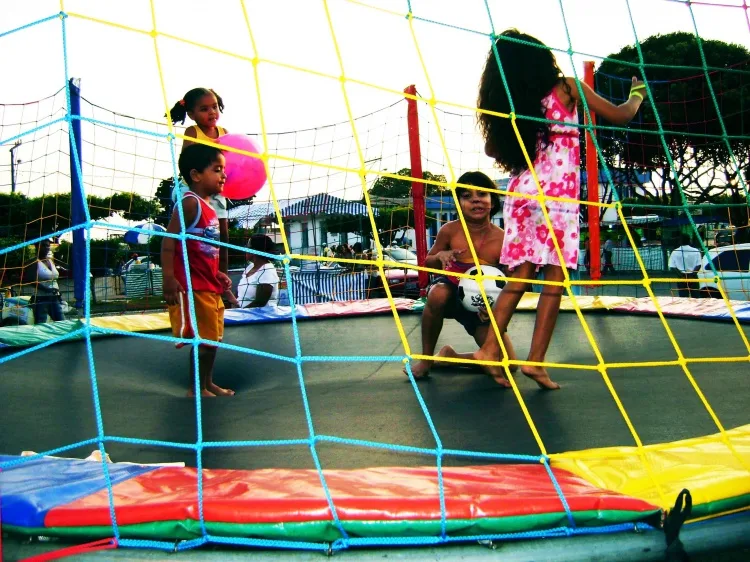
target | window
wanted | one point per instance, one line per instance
(305, 236)
(732, 260)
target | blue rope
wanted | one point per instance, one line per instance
(306, 405)
(32, 24)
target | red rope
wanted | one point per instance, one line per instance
(104, 544)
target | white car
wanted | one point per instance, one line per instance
(393, 253)
(732, 264)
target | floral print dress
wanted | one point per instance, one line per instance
(527, 236)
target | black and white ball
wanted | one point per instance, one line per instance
(468, 289)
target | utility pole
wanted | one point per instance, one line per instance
(13, 166)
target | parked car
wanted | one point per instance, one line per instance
(402, 255)
(402, 282)
(732, 264)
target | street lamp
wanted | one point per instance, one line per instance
(13, 163)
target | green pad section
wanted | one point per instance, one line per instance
(326, 531)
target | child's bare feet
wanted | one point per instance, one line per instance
(218, 391)
(204, 394)
(448, 351)
(540, 376)
(420, 370)
(494, 371)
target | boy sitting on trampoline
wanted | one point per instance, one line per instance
(451, 253)
(202, 167)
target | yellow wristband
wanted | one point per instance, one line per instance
(636, 93)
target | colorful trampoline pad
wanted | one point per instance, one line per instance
(29, 490)
(393, 501)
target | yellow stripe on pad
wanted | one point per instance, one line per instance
(529, 302)
(134, 322)
(704, 465)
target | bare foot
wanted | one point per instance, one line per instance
(218, 391)
(448, 351)
(539, 376)
(204, 394)
(494, 371)
(420, 370)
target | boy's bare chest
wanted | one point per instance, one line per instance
(487, 244)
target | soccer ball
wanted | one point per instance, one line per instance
(468, 289)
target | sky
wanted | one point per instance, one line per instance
(119, 70)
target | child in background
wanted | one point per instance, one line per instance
(204, 106)
(538, 89)
(202, 167)
(451, 253)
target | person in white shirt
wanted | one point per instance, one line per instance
(607, 249)
(686, 260)
(44, 274)
(259, 285)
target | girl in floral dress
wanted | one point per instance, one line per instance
(538, 90)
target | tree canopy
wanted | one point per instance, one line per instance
(30, 217)
(686, 99)
(400, 189)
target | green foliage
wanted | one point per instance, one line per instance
(399, 189)
(31, 217)
(390, 222)
(682, 96)
(104, 253)
(704, 169)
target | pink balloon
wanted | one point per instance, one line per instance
(245, 175)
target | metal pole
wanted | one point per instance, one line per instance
(13, 166)
(592, 182)
(77, 199)
(417, 187)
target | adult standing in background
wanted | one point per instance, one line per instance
(686, 260)
(43, 274)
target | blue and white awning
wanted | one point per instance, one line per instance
(247, 216)
(324, 204)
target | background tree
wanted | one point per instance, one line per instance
(400, 189)
(703, 165)
(394, 215)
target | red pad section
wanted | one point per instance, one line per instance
(353, 308)
(373, 494)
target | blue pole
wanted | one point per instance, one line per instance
(77, 199)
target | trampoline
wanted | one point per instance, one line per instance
(374, 442)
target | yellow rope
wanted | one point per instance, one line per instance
(433, 102)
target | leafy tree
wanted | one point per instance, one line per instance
(30, 217)
(400, 189)
(703, 164)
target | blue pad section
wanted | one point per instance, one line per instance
(29, 490)
(742, 311)
(234, 316)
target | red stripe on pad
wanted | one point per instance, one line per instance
(372, 494)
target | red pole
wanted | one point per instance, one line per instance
(417, 187)
(592, 183)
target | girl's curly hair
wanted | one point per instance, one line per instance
(531, 72)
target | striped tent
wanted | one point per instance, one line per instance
(324, 204)
(247, 216)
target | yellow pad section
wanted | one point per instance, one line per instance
(704, 465)
(150, 322)
(529, 302)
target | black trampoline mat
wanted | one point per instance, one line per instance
(46, 396)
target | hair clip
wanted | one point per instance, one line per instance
(182, 103)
